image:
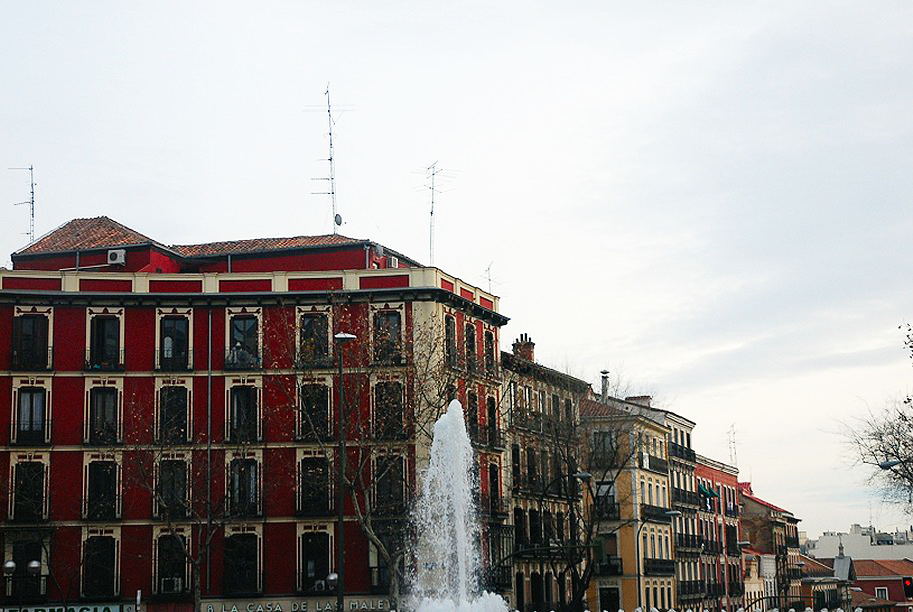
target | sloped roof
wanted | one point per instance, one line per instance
(864, 600)
(883, 567)
(84, 234)
(104, 232)
(255, 245)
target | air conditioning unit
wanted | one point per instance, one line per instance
(172, 585)
(117, 257)
(392, 262)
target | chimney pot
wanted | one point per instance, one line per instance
(524, 347)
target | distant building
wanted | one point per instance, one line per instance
(884, 579)
(863, 543)
(773, 530)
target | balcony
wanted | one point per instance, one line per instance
(489, 437)
(657, 514)
(23, 589)
(104, 361)
(240, 359)
(310, 361)
(609, 566)
(171, 361)
(682, 452)
(493, 506)
(606, 511)
(691, 588)
(732, 550)
(712, 547)
(659, 567)
(732, 511)
(653, 464)
(315, 506)
(715, 589)
(32, 360)
(794, 573)
(736, 589)
(792, 542)
(686, 543)
(687, 498)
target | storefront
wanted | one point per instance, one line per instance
(301, 604)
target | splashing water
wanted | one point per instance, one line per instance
(447, 526)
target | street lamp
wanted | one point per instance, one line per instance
(338, 578)
(643, 523)
(888, 464)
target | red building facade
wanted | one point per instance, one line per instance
(173, 412)
(718, 518)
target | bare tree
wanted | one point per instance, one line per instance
(884, 441)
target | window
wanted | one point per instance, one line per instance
(30, 416)
(472, 414)
(469, 336)
(387, 336)
(515, 463)
(389, 484)
(603, 448)
(28, 497)
(450, 347)
(174, 347)
(99, 567)
(243, 343)
(519, 528)
(314, 345)
(315, 412)
(243, 421)
(314, 487)
(24, 584)
(172, 415)
(242, 492)
(241, 564)
(389, 422)
(172, 488)
(171, 564)
(535, 527)
(881, 592)
(104, 350)
(103, 425)
(30, 342)
(490, 363)
(531, 467)
(315, 558)
(101, 503)
(491, 417)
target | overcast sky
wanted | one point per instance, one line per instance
(712, 200)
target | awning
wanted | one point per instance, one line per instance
(706, 492)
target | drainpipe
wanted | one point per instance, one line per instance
(229, 263)
(77, 260)
(209, 449)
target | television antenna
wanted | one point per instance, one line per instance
(733, 451)
(488, 274)
(432, 174)
(30, 201)
(331, 160)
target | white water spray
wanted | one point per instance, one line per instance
(447, 526)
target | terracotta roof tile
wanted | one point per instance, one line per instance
(90, 233)
(864, 600)
(899, 567)
(261, 244)
(883, 567)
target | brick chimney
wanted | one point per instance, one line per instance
(605, 387)
(525, 348)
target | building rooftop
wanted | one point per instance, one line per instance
(883, 567)
(84, 234)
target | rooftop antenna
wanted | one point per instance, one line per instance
(733, 451)
(337, 219)
(488, 274)
(432, 171)
(30, 201)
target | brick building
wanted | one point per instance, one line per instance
(172, 411)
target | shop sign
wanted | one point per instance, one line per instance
(303, 604)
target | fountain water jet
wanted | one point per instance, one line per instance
(447, 526)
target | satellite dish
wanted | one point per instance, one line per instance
(338, 219)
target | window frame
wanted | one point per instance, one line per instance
(256, 383)
(398, 354)
(303, 430)
(323, 361)
(326, 455)
(34, 311)
(158, 533)
(116, 459)
(161, 315)
(186, 459)
(20, 383)
(244, 530)
(403, 433)
(256, 457)
(100, 532)
(230, 314)
(17, 459)
(168, 383)
(91, 315)
(106, 383)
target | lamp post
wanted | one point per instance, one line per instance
(669, 513)
(9, 570)
(340, 340)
